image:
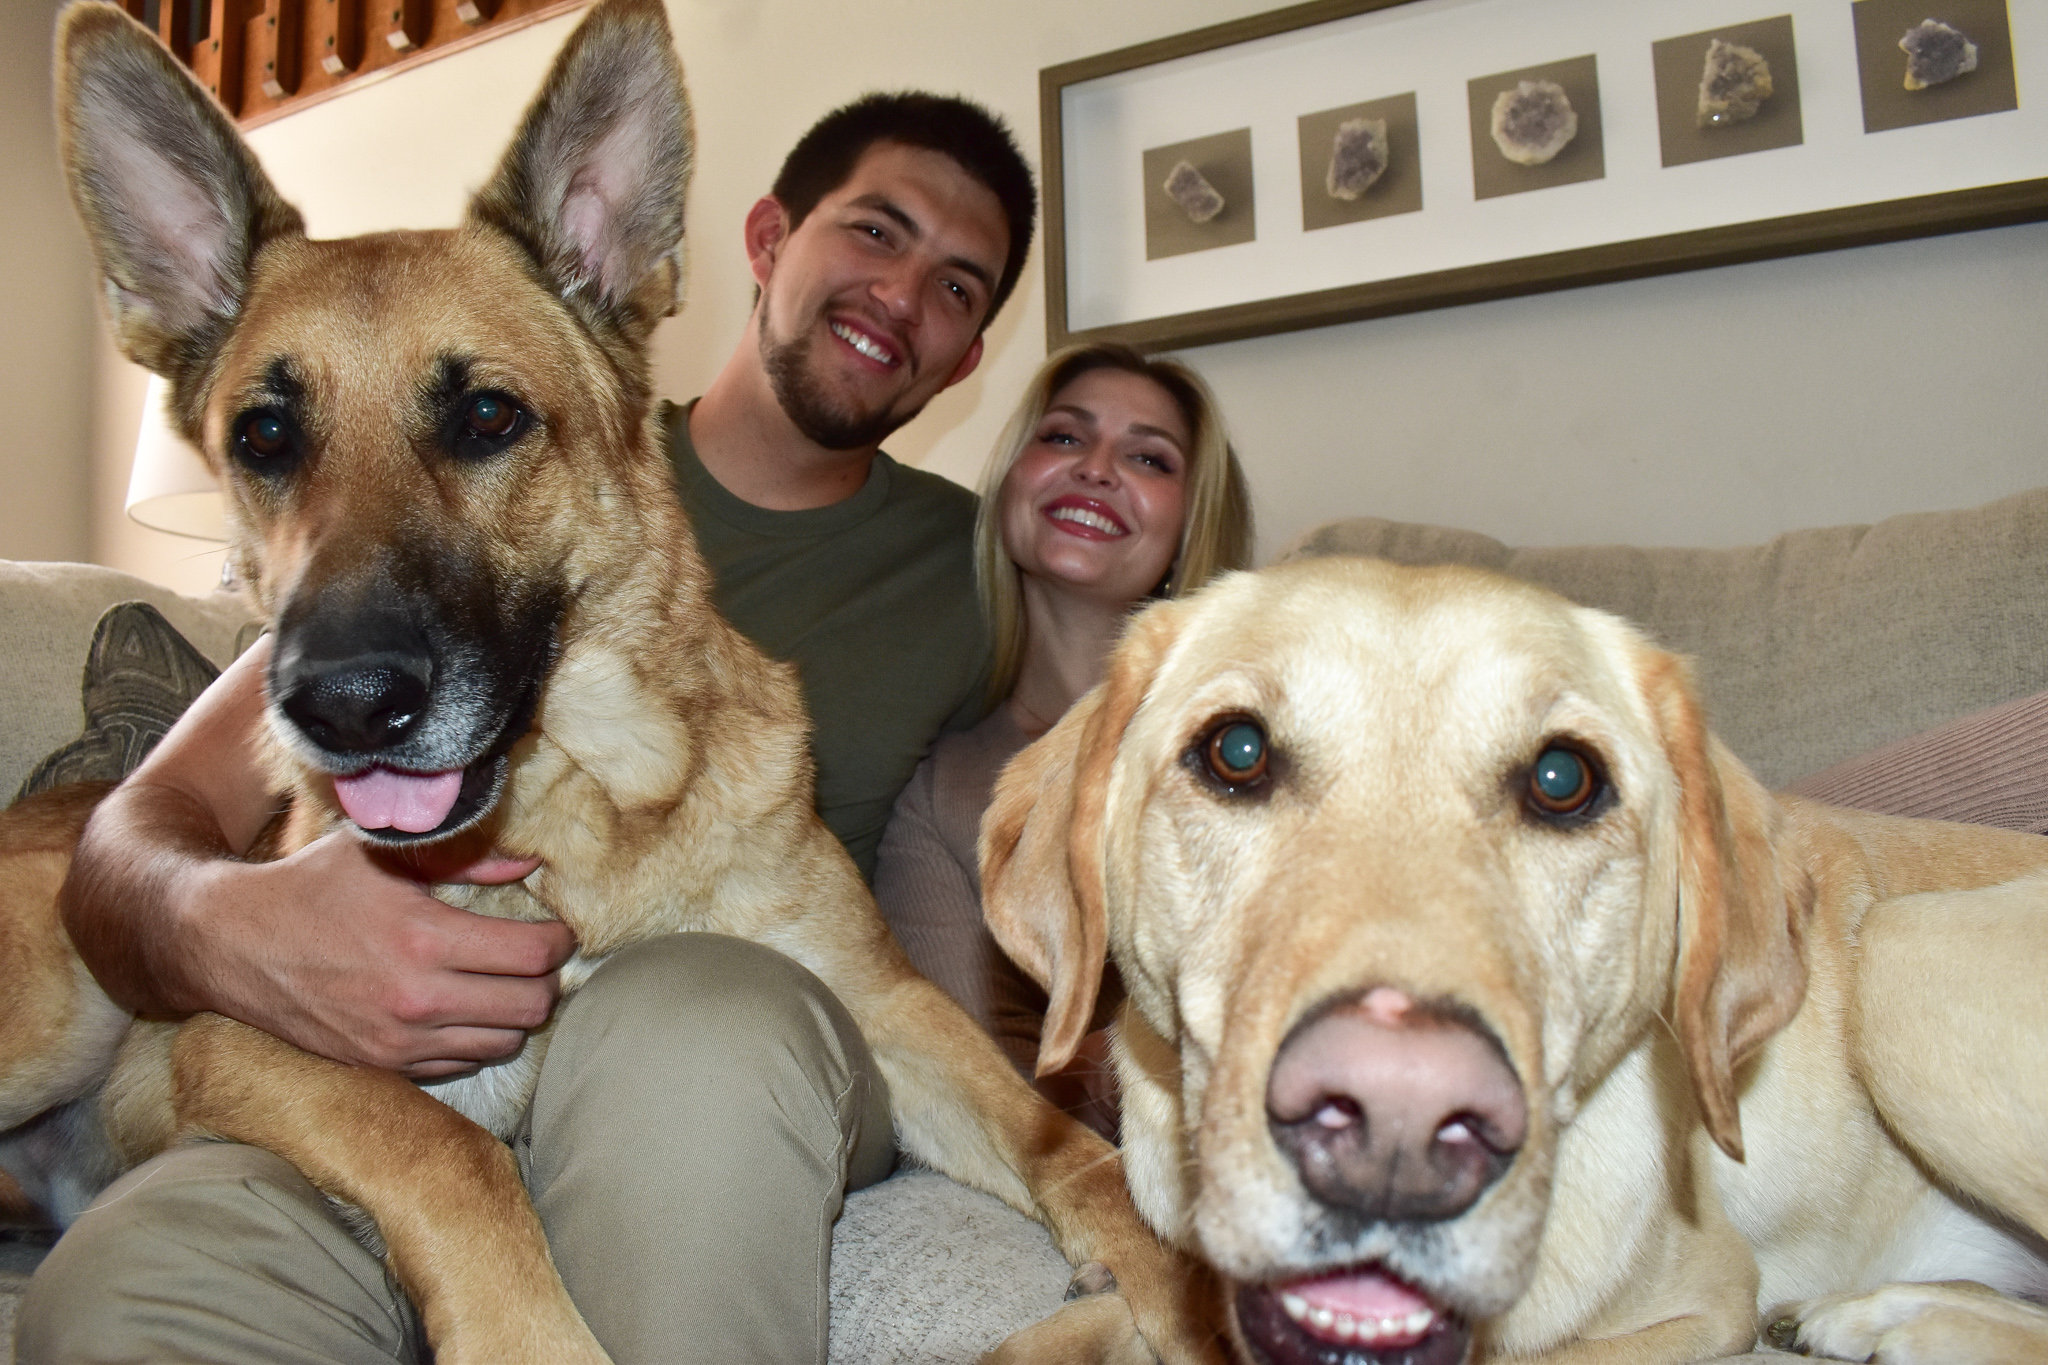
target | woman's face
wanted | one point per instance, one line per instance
(1096, 500)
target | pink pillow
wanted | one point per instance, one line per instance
(1987, 768)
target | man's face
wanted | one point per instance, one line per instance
(875, 302)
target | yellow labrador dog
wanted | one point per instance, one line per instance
(1482, 1006)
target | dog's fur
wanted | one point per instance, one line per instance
(608, 721)
(1774, 1055)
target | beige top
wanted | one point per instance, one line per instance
(928, 883)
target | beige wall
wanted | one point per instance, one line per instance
(45, 311)
(1716, 407)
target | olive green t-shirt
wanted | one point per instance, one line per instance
(873, 600)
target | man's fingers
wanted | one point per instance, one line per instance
(506, 947)
(469, 1049)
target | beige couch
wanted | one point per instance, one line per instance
(1815, 649)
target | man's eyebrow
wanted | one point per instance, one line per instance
(889, 209)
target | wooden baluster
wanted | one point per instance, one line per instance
(221, 65)
(341, 36)
(174, 28)
(406, 23)
(278, 47)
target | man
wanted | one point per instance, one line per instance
(705, 1102)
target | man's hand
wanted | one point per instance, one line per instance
(336, 949)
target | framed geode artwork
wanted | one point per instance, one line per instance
(1359, 162)
(1536, 128)
(1198, 194)
(1727, 92)
(1922, 63)
(1351, 159)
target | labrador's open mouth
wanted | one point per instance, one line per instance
(394, 807)
(1358, 1316)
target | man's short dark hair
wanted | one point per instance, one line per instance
(824, 158)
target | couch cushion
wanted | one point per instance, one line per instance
(1817, 646)
(49, 612)
(927, 1272)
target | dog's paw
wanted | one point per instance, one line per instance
(1914, 1324)
(1095, 1328)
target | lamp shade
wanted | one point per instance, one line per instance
(170, 487)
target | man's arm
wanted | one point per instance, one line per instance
(329, 949)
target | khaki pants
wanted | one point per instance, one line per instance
(704, 1106)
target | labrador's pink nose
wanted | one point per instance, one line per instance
(1394, 1110)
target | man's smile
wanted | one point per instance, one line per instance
(865, 343)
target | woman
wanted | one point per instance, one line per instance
(1113, 484)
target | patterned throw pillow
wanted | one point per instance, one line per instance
(140, 675)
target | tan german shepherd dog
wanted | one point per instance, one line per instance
(450, 497)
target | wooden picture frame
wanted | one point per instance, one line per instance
(1809, 178)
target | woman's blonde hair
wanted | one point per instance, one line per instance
(1216, 532)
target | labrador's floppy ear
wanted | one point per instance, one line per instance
(1042, 842)
(593, 186)
(172, 200)
(1742, 904)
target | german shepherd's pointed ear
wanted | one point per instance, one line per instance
(1043, 842)
(172, 199)
(1742, 904)
(593, 186)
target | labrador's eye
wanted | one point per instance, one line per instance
(1236, 751)
(1562, 782)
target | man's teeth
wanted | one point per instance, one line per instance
(1344, 1327)
(1087, 518)
(865, 344)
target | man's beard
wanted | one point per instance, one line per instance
(811, 413)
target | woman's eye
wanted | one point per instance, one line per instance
(1562, 782)
(1236, 752)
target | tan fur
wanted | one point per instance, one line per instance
(665, 781)
(1760, 1040)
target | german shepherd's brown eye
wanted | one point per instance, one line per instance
(1563, 781)
(490, 422)
(490, 415)
(264, 439)
(1236, 753)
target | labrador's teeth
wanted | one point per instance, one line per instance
(1321, 1319)
(1295, 1305)
(1346, 1328)
(1419, 1320)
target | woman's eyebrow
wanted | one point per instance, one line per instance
(1071, 410)
(1161, 432)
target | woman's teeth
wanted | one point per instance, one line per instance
(1087, 518)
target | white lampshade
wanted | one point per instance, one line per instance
(170, 488)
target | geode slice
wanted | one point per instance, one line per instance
(1358, 158)
(1533, 122)
(1197, 198)
(1936, 53)
(1734, 85)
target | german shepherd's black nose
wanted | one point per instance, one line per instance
(353, 689)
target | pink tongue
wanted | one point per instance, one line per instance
(1365, 1294)
(384, 798)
